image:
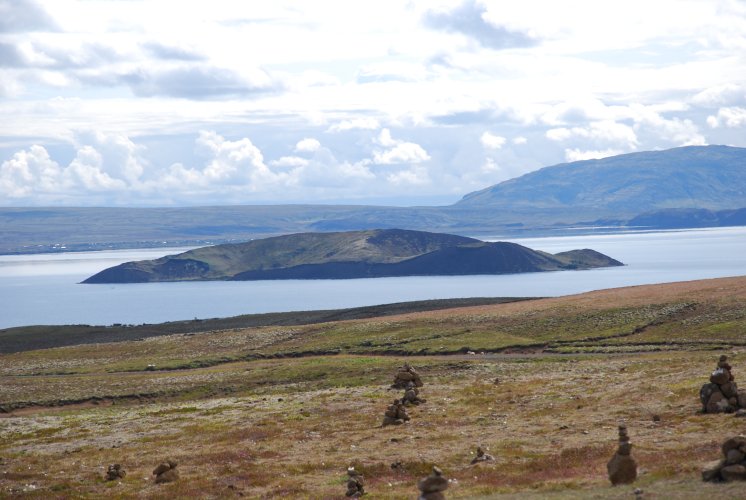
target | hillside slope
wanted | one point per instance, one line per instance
(354, 254)
(710, 177)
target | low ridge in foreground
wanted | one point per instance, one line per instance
(352, 254)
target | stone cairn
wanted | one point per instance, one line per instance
(482, 456)
(622, 467)
(721, 395)
(732, 467)
(412, 395)
(433, 486)
(166, 472)
(404, 375)
(396, 414)
(355, 483)
(115, 472)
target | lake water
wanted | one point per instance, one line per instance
(45, 289)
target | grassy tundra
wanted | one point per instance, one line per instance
(282, 411)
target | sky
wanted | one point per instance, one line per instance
(184, 103)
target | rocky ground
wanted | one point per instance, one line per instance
(275, 412)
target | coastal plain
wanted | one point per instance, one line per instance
(282, 411)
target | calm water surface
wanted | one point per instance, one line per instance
(44, 289)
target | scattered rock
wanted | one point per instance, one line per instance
(741, 413)
(412, 395)
(355, 483)
(482, 456)
(396, 414)
(736, 472)
(404, 374)
(398, 465)
(114, 472)
(732, 467)
(741, 398)
(711, 470)
(734, 456)
(433, 486)
(717, 403)
(166, 472)
(719, 377)
(721, 395)
(622, 467)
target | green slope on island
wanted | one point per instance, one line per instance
(353, 254)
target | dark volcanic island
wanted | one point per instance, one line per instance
(353, 254)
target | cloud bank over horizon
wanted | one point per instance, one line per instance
(105, 102)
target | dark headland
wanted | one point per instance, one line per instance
(351, 254)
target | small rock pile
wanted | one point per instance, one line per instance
(412, 395)
(166, 472)
(114, 472)
(732, 467)
(721, 395)
(433, 486)
(406, 374)
(482, 456)
(622, 467)
(396, 414)
(355, 483)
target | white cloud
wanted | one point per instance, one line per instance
(599, 132)
(673, 131)
(308, 145)
(119, 156)
(406, 152)
(289, 161)
(729, 117)
(577, 154)
(33, 174)
(492, 141)
(490, 166)
(87, 170)
(398, 151)
(235, 162)
(728, 93)
(355, 124)
(415, 176)
(438, 74)
(385, 139)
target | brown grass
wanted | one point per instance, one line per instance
(289, 427)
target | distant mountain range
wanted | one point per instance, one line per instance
(709, 177)
(354, 254)
(694, 186)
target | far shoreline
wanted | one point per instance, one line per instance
(484, 235)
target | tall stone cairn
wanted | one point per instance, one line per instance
(405, 374)
(622, 467)
(482, 456)
(732, 467)
(412, 395)
(114, 472)
(396, 414)
(166, 472)
(721, 395)
(433, 486)
(355, 483)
